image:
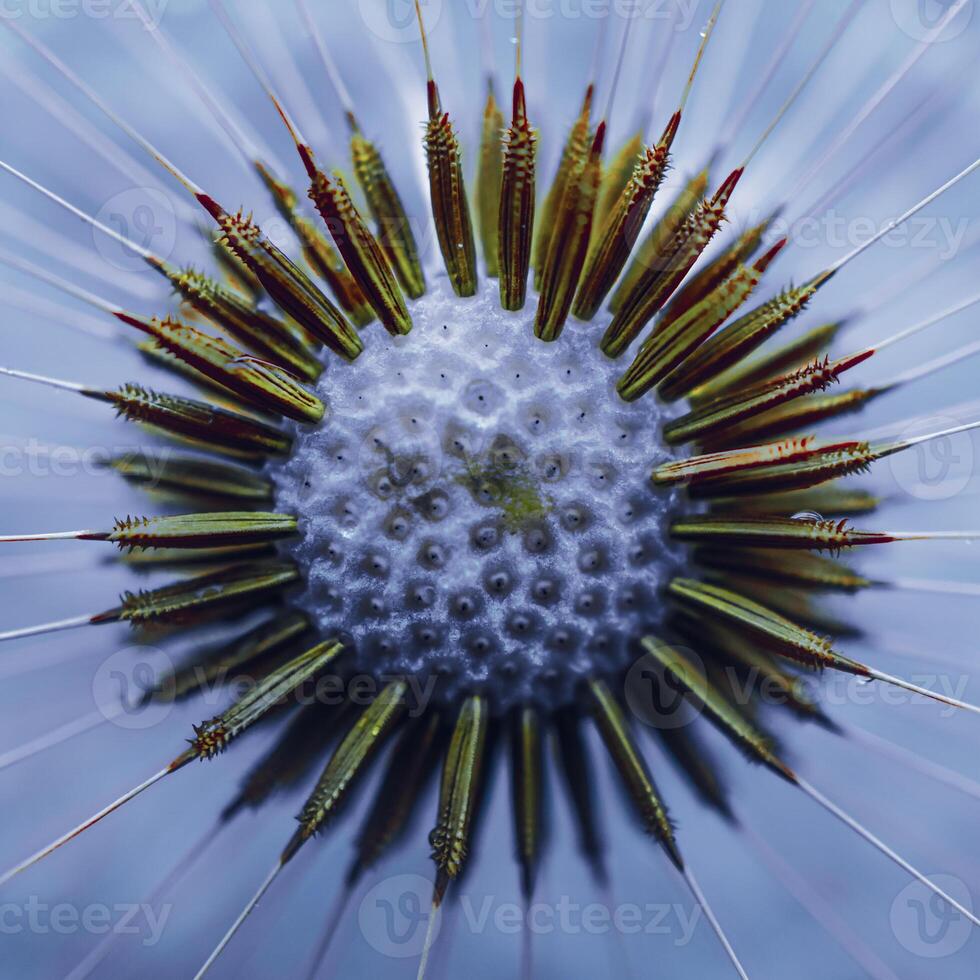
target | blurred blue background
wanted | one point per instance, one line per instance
(48, 680)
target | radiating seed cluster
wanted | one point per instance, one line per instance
(479, 506)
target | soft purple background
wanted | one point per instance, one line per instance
(47, 681)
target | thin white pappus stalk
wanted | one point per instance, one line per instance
(57, 736)
(22, 265)
(709, 914)
(914, 210)
(818, 907)
(931, 367)
(47, 536)
(778, 57)
(243, 143)
(880, 675)
(29, 302)
(82, 827)
(261, 76)
(182, 869)
(912, 760)
(879, 845)
(843, 23)
(74, 122)
(53, 627)
(52, 59)
(882, 93)
(237, 924)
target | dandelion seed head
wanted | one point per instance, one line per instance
(478, 508)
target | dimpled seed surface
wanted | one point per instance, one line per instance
(477, 504)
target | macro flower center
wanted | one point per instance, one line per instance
(477, 505)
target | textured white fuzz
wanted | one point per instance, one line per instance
(478, 505)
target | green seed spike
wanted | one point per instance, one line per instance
(527, 790)
(796, 604)
(616, 177)
(807, 412)
(191, 599)
(264, 334)
(822, 500)
(182, 559)
(292, 757)
(228, 310)
(669, 344)
(633, 770)
(804, 571)
(489, 174)
(390, 217)
(697, 766)
(572, 229)
(363, 255)
(772, 673)
(802, 413)
(821, 465)
(320, 255)
(754, 745)
(616, 237)
(715, 417)
(212, 737)
(259, 383)
(572, 161)
(804, 533)
(197, 422)
(458, 792)
(760, 624)
(657, 283)
(392, 222)
(348, 762)
(517, 191)
(781, 635)
(360, 249)
(614, 241)
(181, 531)
(767, 365)
(344, 767)
(679, 211)
(193, 477)
(716, 272)
(576, 768)
(737, 341)
(796, 463)
(447, 191)
(205, 668)
(412, 761)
